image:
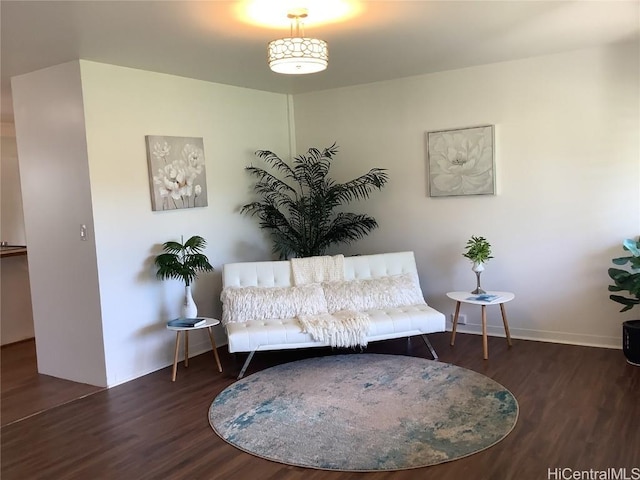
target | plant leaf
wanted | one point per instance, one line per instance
(632, 246)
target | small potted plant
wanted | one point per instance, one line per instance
(183, 261)
(628, 281)
(479, 252)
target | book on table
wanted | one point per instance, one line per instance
(484, 297)
(186, 322)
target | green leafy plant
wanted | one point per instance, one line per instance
(299, 205)
(183, 261)
(626, 280)
(478, 250)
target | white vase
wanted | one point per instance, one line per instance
(189, 308)
(478, 268)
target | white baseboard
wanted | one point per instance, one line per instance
(565, 338)
(495, 331)
(203, 345)
(545, 336)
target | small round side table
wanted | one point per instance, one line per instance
(211, 322)
(495, 298)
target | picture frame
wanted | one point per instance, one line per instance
(177, 173)
(461, 161)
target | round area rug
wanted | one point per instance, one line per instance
(364, 412)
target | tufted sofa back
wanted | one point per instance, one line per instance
(278, 274)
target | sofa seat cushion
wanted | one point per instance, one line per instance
(286, 333)
(267, 335)
(397, 321)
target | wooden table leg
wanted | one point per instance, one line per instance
(485, 346)
(506, 324)
(215, 349)
(455, 323)
(175, 357)
(186, 348)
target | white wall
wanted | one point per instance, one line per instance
(123, 105)
(568, 177)
(99, 311)
(54, 176)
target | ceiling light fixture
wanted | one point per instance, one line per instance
(297, 55)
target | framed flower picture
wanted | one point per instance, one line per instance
(177, 175)
(461, 161)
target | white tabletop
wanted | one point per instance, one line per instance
(211, 322)
(468, 297)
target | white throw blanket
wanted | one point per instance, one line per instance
(317, 269)
(345, 328)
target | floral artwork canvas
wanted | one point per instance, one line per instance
(176, 172)
(461, 161)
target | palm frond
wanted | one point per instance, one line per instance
(195, 244)
(331, 151)
(275, 161)
(270, 180)
(275, 198)
(172, 247)
(347, 228)
(312, 168)
(359, 188)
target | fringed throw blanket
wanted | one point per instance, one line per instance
(317, 269)
(345, 328)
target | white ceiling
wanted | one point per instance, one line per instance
(211, 40)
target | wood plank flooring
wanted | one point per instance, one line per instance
(24, 392)
(579, 409)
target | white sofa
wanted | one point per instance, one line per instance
(400, 318)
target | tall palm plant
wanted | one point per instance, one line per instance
(298, 207)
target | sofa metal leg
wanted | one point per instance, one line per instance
(430, 347)
(246, 364)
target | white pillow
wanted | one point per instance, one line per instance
(240, 304)
(372, 294)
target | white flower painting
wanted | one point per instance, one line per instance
(176, 172)
(461, 162)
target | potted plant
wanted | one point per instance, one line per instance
(183, 261)
(628, 281)
(299, 202)
(478, 250)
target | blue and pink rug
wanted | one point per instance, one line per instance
(364, 412)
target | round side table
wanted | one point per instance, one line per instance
(492, 298)
(211, 322)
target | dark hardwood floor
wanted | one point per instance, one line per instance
(579, 409)
(24, 392)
